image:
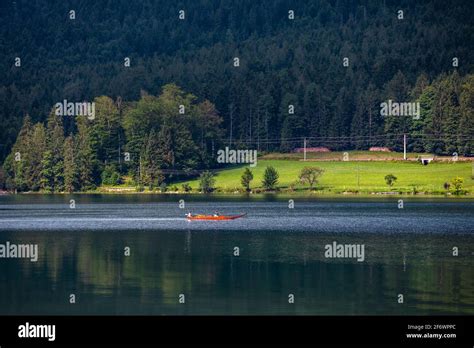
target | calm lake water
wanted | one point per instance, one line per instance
(282, 251)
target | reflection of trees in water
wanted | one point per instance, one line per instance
(187, 242)
(270, 265)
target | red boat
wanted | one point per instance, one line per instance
(214, 217)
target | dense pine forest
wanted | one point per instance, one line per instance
(236, 67)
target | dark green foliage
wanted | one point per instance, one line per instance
(111, 176)
(15, 165)
(310, 175)
(466, 111)
(186, 187)
(447, 115)
(151, 162)
(87, 164)
(246, 179)
(2, 180)
(83, 58)
(457, 184)
(390, 179)
(282, 62)
(163, 187)
(270, 178)
(71, 174)
(47, 182)
(162, 145)
(36, 150)
(51, 166)
(206, 182)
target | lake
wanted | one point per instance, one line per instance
(252, 265)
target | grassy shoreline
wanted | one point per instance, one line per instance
(276, 194)
(340, 179)
(362, 176)
(353, 178)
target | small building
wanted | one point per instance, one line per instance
(379, 149)
(312, 149)
(425, 160)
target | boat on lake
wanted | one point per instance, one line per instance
(214, 217)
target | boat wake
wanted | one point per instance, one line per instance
(63, 219)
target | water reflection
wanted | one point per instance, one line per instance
(271, 265)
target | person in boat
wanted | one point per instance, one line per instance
(216, 214)
(188, 214)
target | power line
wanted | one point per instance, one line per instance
(355, 139)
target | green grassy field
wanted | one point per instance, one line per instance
(362, 177)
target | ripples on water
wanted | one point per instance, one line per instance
(408, 251)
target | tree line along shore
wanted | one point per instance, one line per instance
(315, 178)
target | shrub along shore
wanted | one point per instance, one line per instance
(437, 178)
(380, 178)
(320, 175)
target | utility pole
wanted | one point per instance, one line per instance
(358, 177)
(119, 159)
(304, 149)
(405, 147)
(231, 121)
(140, 171)
(370, 124)
(119, 107)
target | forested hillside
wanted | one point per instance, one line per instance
(147, 139)
(423, 55)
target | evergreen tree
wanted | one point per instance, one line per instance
(397, 90)
(71, 174)
(87, 165)
(105, 130)
(427, 100)
(208, 126)
(16, 164)
(314, 111)
(270, 178)
(54, 145)
(206, 182)
(466, 123)
(152, 162)
(290, 118)
(47, 181)
(246, 179)
(367, 120)
(37, 148)
(448, 107)
(416, 144)
(277, 58)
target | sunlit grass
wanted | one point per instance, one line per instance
(353, 176)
